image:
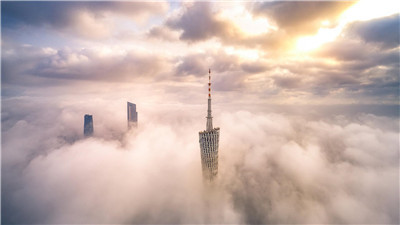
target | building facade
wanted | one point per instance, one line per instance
(132, 115)
(88, 125)
(209, 143)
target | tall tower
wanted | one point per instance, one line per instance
(209, 140)
(132, 115)
(88, 125)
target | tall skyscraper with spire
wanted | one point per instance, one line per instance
(209, 141)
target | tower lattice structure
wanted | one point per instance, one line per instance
(209, 142)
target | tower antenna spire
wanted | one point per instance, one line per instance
(209, 125)
(209, 142)
(209, 83)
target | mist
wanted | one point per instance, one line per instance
(306, 96)
(274, 167)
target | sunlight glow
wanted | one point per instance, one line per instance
(243, 53)
(245, 21)
(252, 26)
(324, 35)
(370, 9)
(362, 10)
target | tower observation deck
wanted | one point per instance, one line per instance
(209, 142)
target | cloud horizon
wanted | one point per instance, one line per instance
(306, 95)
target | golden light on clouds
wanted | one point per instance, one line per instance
(362, 10)
(252, 26)
(324, 35)
(248, 54)
(245, 21)
(370, 9)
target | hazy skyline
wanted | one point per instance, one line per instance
(306, 94)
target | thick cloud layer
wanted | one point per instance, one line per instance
(301, 17)
(274, 167)
(309, 124)
(384, 31)
(198, 23)
(84, 19)
(360, 65)
(79, 64)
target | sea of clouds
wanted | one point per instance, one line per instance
(274, 167)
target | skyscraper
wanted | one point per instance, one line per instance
(132, 115)
(209, 140)
(88, 125)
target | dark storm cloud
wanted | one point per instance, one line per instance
(346, 50)
(356, 56)
(37, 13)
(127, 66)
(362, 67)
(384, 58)
(28, 65)
(378, 38)
(193, 65)
(24, 64)
(301, 17)
(198, 64)
(92, 20)
(380, 83)
(287, 82)
(197, 23)
(224, 62)
(61, 14)
(331, 81)
(229, 81)
(358, 71)
(383, 31)
(162, 33)
(255, 67)
(350, 75)
(17, 62)
(366, 45)
(226, 71)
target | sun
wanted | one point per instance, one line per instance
(370, 9)
(310, 43)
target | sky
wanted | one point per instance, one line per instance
(306, 95)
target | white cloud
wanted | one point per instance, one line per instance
(274, 168)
